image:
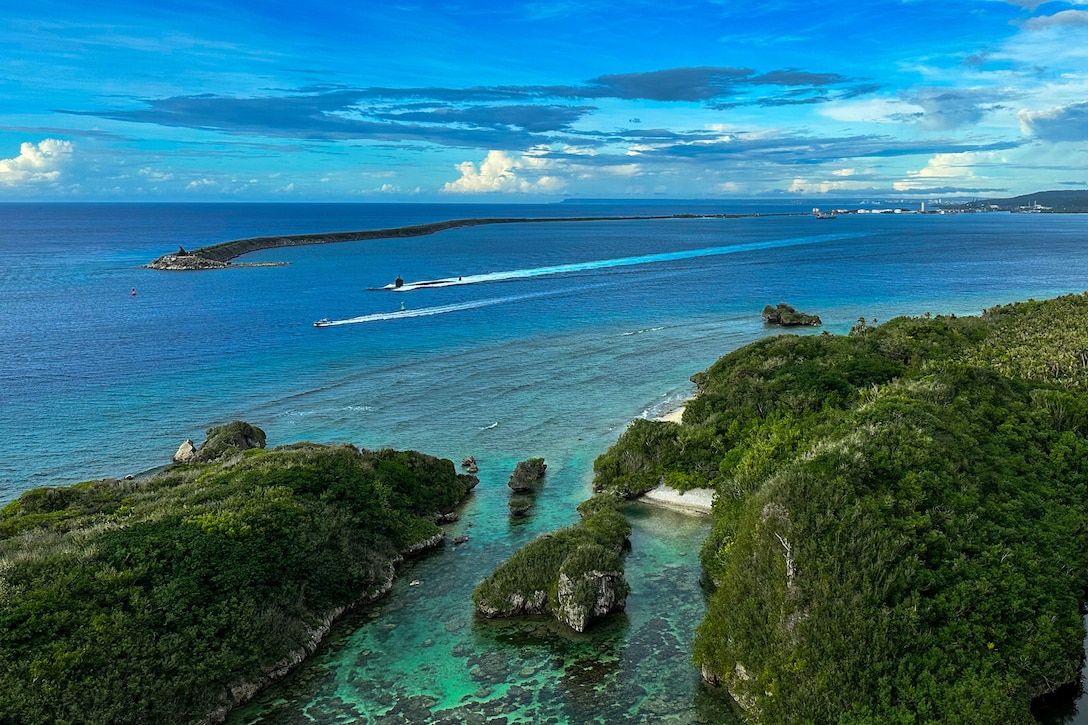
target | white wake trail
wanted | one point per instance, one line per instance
(618, 262)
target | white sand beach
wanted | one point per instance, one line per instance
(697, 501)
(674, 416)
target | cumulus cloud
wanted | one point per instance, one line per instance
(1065, 18)
(943, 168)
(1064, 123)
(36, 164)
(804, 186)
(502, 172)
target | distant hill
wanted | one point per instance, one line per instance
(1066, 201)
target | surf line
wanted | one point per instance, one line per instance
(618, 262)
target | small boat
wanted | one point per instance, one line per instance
(323, 322)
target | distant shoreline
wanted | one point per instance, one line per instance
(218, 256)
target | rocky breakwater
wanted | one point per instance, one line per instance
(218, 256)
(194, 262)
(575, 574)
(185, 262)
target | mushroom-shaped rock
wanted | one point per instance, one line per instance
(527, 474)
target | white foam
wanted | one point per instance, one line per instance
(618, 262)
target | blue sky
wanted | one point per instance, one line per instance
(537, 101)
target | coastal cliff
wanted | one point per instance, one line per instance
(900, 531)
(172, 599)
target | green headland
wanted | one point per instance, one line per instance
(899, 534)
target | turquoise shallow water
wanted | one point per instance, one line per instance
(95, 382)
(421, 656)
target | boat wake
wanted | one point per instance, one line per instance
(489, 427)
(443, 309)
(618, 262)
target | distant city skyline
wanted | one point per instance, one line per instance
(186, 100)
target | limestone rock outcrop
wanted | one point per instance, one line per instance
(225, 440)
(186, 452)
(586, 596)
(527, 474)
(574, 574)
(787, 316)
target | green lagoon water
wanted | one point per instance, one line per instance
(421, 655)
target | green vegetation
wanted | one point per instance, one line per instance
(142, 601)
(787, 316)
(226, 440)
(587, 554)
(900, 532)
(1067, 201)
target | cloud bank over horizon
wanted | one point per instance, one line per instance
(237, 102)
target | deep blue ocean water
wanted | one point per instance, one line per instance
(96, 382)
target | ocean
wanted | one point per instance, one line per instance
(558, 337)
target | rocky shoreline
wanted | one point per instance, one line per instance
(241, 692)
(197, 263)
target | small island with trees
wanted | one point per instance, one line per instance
(786, 316)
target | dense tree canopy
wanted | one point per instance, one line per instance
(900, 532)
(141, 601)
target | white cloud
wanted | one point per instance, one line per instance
(621, 170)
(1065, 123)
(1032, 4)
(955, 167)
(154, 175)
(1065, 18)
(36, 164)
(804, 186)
(199, 184)
(501, 171)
